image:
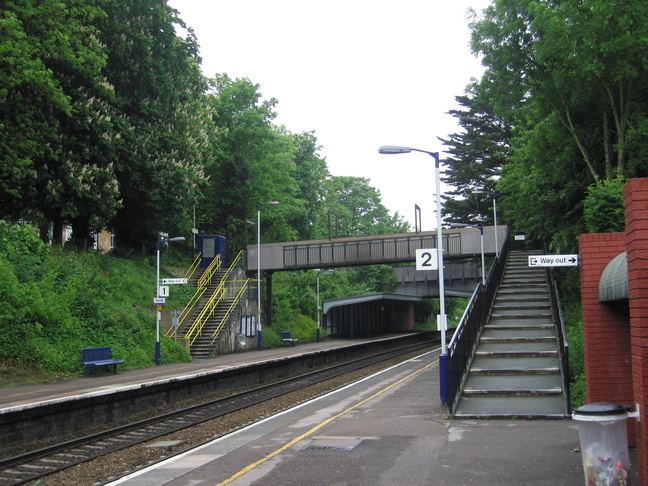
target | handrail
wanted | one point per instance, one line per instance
(201, 286)
(230, 309)
(192, 269)
(561, 334)
(213, 267)
(461, 348)
(210, 306)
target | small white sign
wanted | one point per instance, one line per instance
(553, 261)
(164, 291)
(427, 259)
(174, 281)
(159, 301)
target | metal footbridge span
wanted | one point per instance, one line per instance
(372, 250)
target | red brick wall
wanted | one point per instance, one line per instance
(606, 330)
(636, 213)
(615, 336)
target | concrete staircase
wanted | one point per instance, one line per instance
(516, 370)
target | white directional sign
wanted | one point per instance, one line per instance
(553, 261)
(174, 281)
(427, 259)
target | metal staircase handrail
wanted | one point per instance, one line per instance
(201, 286)
(192, 268)
(463, 344)
(229, 311)
(561, 334)
(210, 306)
(207, 276)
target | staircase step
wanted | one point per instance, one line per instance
(512, 342)
(551, 407)
(517, 354)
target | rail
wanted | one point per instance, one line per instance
(201, 286)
(461, 348)
(379, 250)
(208, 310)
(230, 309)
(192, 268)
(561, 334)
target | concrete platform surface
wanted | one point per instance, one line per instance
(385, 430)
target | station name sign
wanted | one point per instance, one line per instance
(554, 261)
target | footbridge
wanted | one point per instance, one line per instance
(458, 244)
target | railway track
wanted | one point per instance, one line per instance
(29, 467)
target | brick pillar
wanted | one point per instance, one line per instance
(606, 327)
(636, 213)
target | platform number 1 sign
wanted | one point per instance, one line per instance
(427, 259)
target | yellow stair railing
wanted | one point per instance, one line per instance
(195, 330)
(231, 308)
(201, 286)
(192, 269)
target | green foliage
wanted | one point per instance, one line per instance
(74, 301)
(603, 207)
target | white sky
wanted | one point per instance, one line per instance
(360, 73)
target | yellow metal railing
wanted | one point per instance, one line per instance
(207, 276)
(192, 269)
(210, 306)
(231, 308)
(201, 286)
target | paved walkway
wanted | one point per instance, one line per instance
(386, 430)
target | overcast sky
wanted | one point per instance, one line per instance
(360, 73)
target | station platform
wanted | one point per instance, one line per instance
(386, 429)
(104, 382)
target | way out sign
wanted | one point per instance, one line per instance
(553, 261)
(427, 259)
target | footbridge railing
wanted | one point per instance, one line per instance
(461, 348)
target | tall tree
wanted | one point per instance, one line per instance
(159, 98)
(252, 163)
(565, 75)
(477, 154)
(55, 116)
(357, 209)
(311, 173)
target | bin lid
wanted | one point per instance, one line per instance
(601, 408)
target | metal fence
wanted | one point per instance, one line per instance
(461, 348)
(361, 252)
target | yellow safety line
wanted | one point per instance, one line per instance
(319, 426)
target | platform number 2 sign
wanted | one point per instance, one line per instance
(427, 259)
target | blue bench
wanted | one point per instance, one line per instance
(98, 357)
(287, 338)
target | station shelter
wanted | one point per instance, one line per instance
(369, 315)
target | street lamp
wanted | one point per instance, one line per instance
(481, 233)
(157, 295)
(494, 196)
(259, 273)
(319, 307)
(441, 320)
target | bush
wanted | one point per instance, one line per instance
(54, 303)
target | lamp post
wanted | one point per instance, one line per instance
(481, 237)
(319, 307)
(157, 294)
(494, 196)
(259, 272)
(441, 319)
